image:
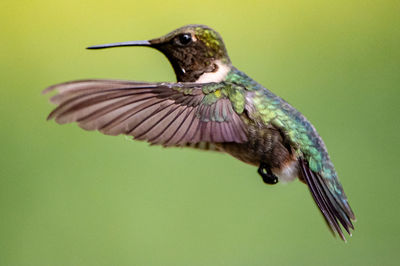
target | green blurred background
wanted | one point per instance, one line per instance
(71, 197)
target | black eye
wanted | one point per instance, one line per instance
(185, 38)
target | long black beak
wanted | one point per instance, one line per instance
(119, 44)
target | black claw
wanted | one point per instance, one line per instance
(268, 177)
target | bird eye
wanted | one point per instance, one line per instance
(185, 38)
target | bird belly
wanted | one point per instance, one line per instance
(288, 172)
(265, 146)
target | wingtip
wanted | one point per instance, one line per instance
(47, 90)
(50, 116)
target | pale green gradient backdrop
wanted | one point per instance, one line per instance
(70, 197)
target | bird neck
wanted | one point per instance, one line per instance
(219, 73)
(215, 71)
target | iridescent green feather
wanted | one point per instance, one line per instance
(271, 109)
(216, 91)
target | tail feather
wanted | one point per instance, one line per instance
(333, 210)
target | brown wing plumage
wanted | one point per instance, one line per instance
(161, 113)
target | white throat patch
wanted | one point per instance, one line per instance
(217, 76)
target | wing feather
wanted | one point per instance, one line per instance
(174, 124)
(169, 114)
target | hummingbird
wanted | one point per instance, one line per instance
(212, 106)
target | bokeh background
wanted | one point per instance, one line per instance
(71, 197)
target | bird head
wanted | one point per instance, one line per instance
(192, 50)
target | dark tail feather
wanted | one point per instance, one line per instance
(332, 211)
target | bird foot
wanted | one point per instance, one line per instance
(268, 177)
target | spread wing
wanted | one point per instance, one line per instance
(169, 114)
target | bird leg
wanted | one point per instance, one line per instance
(265, 172)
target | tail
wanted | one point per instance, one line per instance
(328, 194)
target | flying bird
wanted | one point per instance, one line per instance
(212, 106)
